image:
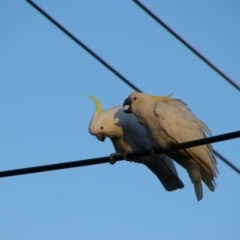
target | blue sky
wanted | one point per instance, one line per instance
(45, 81)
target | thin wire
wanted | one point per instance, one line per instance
(194, 143)
(79, 163)
(226, 161)
(83, 45)
(119, 157)
(110, 68)
(184, 42)
(52, 167)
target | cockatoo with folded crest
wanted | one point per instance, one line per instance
(169, 121)
(127, 136)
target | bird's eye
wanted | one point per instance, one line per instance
(102, 127)
(135, 98)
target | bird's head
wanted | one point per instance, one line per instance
(103, 123)
(137, 100)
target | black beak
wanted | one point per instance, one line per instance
(101, 136)
(127, 103)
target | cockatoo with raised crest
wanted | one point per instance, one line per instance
(127, 135)
(169, 121)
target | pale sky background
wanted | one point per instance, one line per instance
(45, 79)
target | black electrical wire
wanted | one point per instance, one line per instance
(184, 42)
(226, 161)
(83, 45)
(108, 66)
(118, 157)
(52, 167)
(209, 140)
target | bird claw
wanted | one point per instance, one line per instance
(125, 155)
(153, 152)
(169, 147)
(111, 158)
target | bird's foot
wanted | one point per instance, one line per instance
(111, 158)
(126, 155)
(153, 152)
(169, 147)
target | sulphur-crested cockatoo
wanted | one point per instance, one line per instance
(127, 135)
(169, 121)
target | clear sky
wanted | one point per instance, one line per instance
(45, 79)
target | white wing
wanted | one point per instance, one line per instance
(135, 138)
(183, 106)
(181, 125)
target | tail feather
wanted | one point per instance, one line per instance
(210, 183)
(195, 176)
(164, 173)
(198, 189)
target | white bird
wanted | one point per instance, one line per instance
(169, 121)
(127, 136)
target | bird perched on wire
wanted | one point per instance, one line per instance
(127, 136)
(169, 121)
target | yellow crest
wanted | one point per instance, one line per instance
(158, 98)
(98, 104)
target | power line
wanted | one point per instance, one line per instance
(226, 161)
(107, 65)
(83, 45)
(52, 167)
(118, 157)
(218, 138)
(184, 42)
